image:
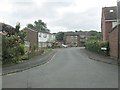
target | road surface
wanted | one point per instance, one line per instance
(68, 68)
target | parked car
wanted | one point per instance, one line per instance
(65, 46)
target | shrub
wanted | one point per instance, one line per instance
(12, 49)
(96, 45)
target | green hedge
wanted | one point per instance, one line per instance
(96, 45)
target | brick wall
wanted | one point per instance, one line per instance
(113, 42)
(32, 37)
(107, 26)
(71, 40)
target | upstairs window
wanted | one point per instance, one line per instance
(45, 35)
(40, 35)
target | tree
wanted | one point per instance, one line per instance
(60, 36)
(17, 27)
(30, 26)
(13, 46)
(94, 34)
(22, 36)
(39, 26)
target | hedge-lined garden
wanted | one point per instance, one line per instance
(95, 44)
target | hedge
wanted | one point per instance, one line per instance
(96, 45)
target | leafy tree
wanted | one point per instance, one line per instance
(13, 46)
(39, 26)
(17, 27)
(22, 36)
(94, 43)
(60, 36)
(94, 34)
(30, 26)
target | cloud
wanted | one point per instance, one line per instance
(58, 14)
(83, 20)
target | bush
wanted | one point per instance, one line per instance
(96, 45)
(12, 49)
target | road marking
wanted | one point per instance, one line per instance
(52, 57)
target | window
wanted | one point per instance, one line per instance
(82, 37)
(114, 24)
(45, 35)
(39, 34)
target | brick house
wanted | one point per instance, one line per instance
(39, 39)
(108, 21)
(31, 38)
(109, 28)
(74, 39)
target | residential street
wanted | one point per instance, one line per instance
(68, 68)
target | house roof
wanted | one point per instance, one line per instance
(110, 13)
(7, 29)
(37, 31)
(74, 33)
(5, 26)
(28, 29)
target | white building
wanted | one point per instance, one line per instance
(45, 39)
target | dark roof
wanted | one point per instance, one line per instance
(7, 28)
(4, 26)
(36, 31)
(29, 29)
(75, 33)
(110, 13)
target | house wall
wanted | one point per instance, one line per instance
(71, 40)
(107, 24)
(75, 38)
(113, 43)
(106, 28)
(103, 26)
(45, 39)
(32, 37)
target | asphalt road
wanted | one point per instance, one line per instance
(68, 68)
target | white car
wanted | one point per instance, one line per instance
(65, 46)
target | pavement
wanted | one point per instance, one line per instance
(33, 62)
(100, 58)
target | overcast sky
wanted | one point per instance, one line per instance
(60, 15)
